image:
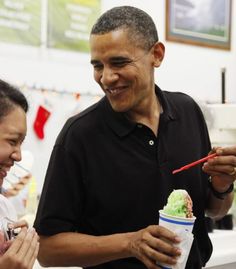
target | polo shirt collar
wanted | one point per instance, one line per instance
(122, 126)
(117, 120)
(169, 109)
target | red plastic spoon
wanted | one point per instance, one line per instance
(194, 163)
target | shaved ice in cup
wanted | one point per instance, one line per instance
(177, 216)
(179, 204)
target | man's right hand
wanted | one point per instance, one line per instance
(153, 245)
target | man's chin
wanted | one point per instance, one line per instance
(118, 107)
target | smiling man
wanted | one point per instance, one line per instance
(111, 167)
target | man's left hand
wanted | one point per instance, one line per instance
(222, 168)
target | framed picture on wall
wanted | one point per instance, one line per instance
(199, 22)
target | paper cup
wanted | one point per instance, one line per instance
(174, 222)
(183, 228)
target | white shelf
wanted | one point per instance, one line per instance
(224, 248)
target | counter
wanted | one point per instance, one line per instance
(224, 250)
(223, 256)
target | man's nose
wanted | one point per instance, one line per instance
(108, 76)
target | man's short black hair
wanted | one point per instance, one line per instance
(141, 28)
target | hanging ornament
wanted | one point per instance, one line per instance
(41, 118)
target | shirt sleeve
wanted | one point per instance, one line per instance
(61, 201)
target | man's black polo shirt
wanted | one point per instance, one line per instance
(109, 175)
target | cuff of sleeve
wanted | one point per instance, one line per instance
(219, 195)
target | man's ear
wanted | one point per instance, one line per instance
(158, 53)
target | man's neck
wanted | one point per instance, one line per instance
(148, 116)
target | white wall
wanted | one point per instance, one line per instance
(61, 106)
(191, 69)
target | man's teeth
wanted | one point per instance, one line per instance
(113, 91)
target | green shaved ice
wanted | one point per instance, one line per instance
(176, 204)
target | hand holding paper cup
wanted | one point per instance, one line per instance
(3, 237)
(177, 216)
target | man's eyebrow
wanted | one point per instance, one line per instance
(120, 58)
(112, 59)
(94, 61)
